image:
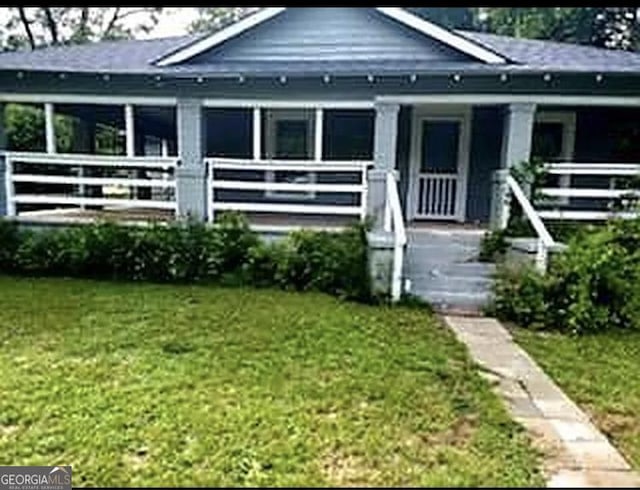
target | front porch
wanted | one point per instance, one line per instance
(306, 164)
(322, 165)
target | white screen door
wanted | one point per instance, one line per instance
(439, 187)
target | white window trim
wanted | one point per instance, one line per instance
(271, 121)
(568, 121)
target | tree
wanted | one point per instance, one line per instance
(35, 27)
(609, 27)
(214, 18)
(45, 26)
(616, 27)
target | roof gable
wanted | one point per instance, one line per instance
(317, 34)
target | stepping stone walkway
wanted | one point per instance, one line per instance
(576, 453)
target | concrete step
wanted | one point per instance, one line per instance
(429, 282)
(449, 237)
(443, 252)
(458, 269)
(448, 300)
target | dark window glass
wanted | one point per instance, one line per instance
(440, 147)
(229, 133)
(348, 134)
(292, 140)
(547, 140)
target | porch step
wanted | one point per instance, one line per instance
(435, 267)
(470, 284)
(442, 268)
(447, 301)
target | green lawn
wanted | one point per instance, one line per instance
(602, 374)
(149, 385)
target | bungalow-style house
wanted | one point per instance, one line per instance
(316, 116)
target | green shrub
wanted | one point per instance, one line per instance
(329, 262)
(9, 242)
(229, 253)
(520, 296)
(593, 286)
(493, 246)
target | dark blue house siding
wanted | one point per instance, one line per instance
(327, 35)
(403, 152)
(484, 158)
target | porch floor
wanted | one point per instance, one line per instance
(258, 221)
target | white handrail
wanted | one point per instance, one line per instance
(606, 169)
(78, 159)
(545, 241)
(393, 213)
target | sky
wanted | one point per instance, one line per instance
(173, 22)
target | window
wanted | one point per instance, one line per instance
(553, 141)
(292, 140)
(348, 134)
(290, 136)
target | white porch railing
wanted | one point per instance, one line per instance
(394, 223)
(264, 188)
(563, 211)
(545, 240)
(118, 178)
(437, 196)
(613, 171)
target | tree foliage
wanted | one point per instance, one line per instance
(214, 18)
(45, 26)
(608, 27)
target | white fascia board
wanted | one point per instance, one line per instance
(221, 36)
(493, 99)
(443, 35)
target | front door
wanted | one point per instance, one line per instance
(440, 155)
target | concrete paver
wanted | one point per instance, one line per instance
(577, 454)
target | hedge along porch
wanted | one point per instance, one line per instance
(316, 117)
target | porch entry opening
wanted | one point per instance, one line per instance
(439, 186)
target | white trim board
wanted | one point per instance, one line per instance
(221, 36)
(398, 14)
(288, 104)
(86, 99)
(443, 35)
(492, 99)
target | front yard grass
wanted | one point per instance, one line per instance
(150, 385)
(599, 372)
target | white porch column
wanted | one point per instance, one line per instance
(518, 133)
(50, 130)
(129, 124)
(319, 128)
(380, 241)
(516, 149)
(257, 133)
(191, 177)
(5, 191)
(385, 142)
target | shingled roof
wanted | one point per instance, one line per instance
(140, 57)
